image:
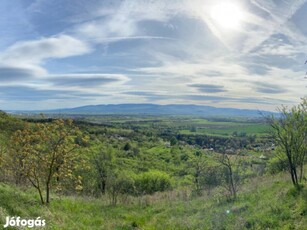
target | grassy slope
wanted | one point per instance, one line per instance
(266, 203)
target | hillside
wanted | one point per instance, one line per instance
(264, 203)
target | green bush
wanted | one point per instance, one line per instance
(152, 181)
(277, 165)
(119, 183)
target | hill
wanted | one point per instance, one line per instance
(154, 109)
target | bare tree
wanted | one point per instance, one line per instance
(232, 174)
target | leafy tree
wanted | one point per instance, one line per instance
(14, 160)
(103, 165)
(3, 151)
(290, 133)
(198, 165)
(8, 125)
(278, 163)
(173, 141)
(45, 154)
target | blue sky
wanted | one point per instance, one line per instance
(227, 53)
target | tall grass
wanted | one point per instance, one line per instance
(266, 202)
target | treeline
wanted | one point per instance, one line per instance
(220, 144)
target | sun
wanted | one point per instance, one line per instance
(227, 15)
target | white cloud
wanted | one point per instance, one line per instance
(122, 23)
(36, 51)
(280, 49)
(25, 58)
(87, 81)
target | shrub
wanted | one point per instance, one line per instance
(152, 181)
(119, 183)
(277, 165)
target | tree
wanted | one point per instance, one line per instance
(173, 141)
(46, 154)
(15, 158)
(198, 165)
(231, 174)
(103, 165)
(205, 172)
(290, 133)
(119, 183)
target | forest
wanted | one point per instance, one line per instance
(155, 172)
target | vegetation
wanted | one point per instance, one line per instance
(44, 154)
(291, 135)
(266, 202)
(144, 172)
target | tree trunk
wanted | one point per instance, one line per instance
(292, 176)
(301, 171)
(41, 195)
(103, 185)
(47, 193)
(295, 176)
(232, 186)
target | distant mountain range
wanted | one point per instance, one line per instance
(154, 109)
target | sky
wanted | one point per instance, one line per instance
(223, 53)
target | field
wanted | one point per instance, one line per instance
(230, 128)
(189, 125)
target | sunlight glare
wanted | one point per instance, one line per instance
(228, 15)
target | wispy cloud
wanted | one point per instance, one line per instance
(152, 51)
(268, 88)
(36, 51)
(87, 80)
(149, 96)
(208, 88)
(14, 74)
